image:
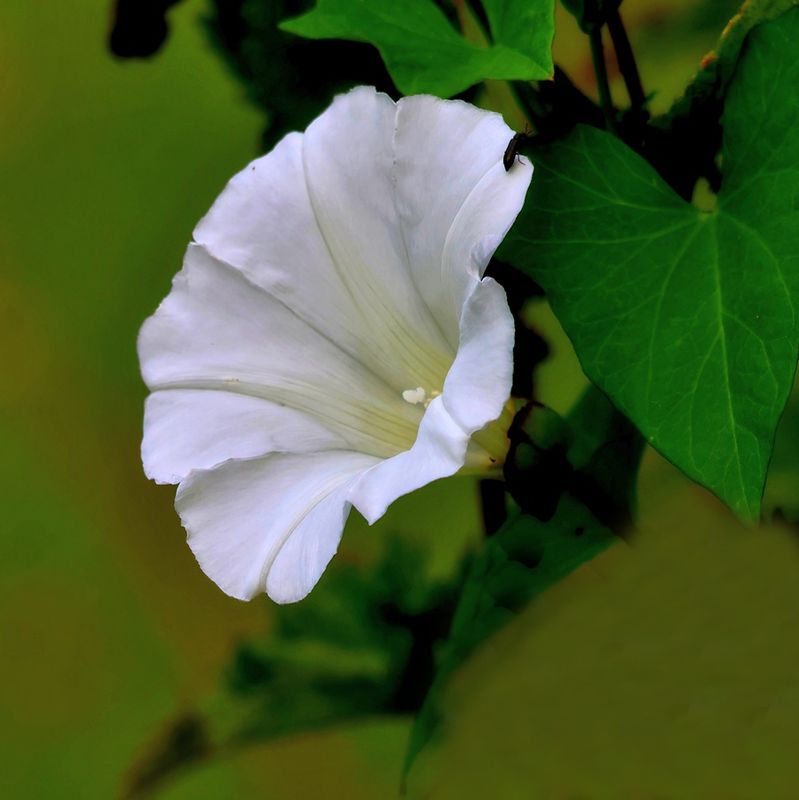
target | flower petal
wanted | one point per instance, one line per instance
(439, 451)
(186, 429)
(334, 279)
(475, 392)
(481, 225)
(479, 382)
(349, 168)
(322, 237)
(458, 202)
(216, 330)
(270, 523)
(263, 224)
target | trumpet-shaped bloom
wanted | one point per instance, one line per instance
(330, 341)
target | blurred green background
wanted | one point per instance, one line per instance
(108, 627)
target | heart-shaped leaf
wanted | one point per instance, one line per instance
(685, 318)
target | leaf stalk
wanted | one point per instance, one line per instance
(601, 73)
(626, 61)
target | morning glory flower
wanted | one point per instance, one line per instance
(330, 341)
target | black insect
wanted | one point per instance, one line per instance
(512, 150)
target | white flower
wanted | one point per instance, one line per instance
(329, 341)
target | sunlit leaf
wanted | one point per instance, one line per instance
(424, 52)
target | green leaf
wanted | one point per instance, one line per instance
(719, 65)
(685, 142)
(593, 455)
(606, 452)
(422, 50)
(527, 556)
(685, 318)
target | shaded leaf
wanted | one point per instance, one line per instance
(422, 50)
(718, 66)
(281, 72)
(686, 318)
(781, 498)
(606, 452)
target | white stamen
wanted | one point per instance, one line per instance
(419, 396)
(414, 396)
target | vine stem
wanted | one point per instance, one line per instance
(492, 504)
(626, 61)
(601, 72)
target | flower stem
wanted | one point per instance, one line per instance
(626, 61)
(601, 72)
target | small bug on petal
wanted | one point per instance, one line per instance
(512, 150)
